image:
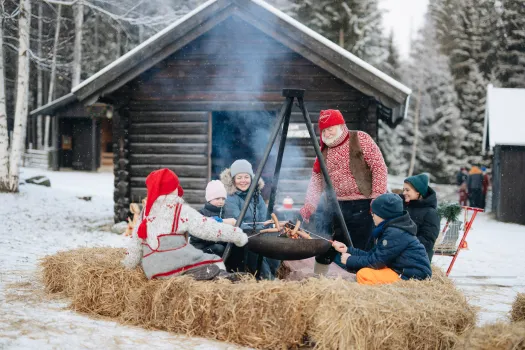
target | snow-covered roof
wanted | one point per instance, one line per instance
(291, 33)
(504, 117)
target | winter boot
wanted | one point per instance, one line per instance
(203, 273)
(321, 269)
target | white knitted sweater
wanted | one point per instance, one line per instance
(161, 222)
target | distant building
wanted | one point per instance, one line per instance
(504, 136)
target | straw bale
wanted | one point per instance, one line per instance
(104, 287)
(266, 314)
(59, 270)
(404, 315)
(498, 336)
(329, 313)
(517, 313)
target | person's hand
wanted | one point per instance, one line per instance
(305, 214)
(344, 258)
(229, 221)
(340, 247)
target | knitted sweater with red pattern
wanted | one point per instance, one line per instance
(338, 165)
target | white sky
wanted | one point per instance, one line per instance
(404, 17)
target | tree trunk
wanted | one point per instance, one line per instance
(52, 78)
(96, 48)
(40, 81)
(4, 136)
(119, 34)
(342, 37)
(19, 131)
(416, 135)
(77, 49)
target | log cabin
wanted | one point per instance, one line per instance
(205, 91)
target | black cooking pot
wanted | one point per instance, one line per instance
(284, 248)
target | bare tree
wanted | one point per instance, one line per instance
(77, 50)
(52, 78)
(416, 134)
(4, 137)
(40, 81)
(22, 89)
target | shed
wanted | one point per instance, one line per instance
(205, 90)
(504, 137)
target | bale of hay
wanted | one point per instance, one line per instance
(498, 336)
(332, 314)
(517, 313)
(59, 271)
(266, 314)
(104, 287)
(404, 315)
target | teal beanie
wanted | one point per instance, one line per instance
(419, 182)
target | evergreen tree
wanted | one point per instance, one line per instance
(511, 57)
(441, 130)
(389, 139)
(355, 25)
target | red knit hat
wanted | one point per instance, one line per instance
(330, 117)
(159, 183)
(327, 118)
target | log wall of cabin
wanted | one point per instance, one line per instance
(233, 67)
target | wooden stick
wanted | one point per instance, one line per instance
(270, 230)
(296, 228)
(276, 222)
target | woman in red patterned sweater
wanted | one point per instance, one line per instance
(358, 173)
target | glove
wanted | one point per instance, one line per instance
(242, 240)
(216, 218)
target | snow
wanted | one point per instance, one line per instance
(40, 221)
(505, 117)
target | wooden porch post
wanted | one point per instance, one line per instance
(55, 137)
(93, 144)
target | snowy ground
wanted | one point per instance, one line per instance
(40, 221)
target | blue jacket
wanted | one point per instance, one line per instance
(236, 199)
(396, 247)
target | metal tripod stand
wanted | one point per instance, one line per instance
(284, 117)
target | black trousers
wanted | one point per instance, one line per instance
(359, 222)
(476, 198)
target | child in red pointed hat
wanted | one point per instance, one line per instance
(160, 240)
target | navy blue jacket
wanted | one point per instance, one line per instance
(395, 247)
(424, 213)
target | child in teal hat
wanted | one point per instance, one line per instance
(420, 201)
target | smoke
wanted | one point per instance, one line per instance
(246, 65)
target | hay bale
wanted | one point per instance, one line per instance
(498, 336)
(517, 313)
(333, 314)
(59, 270)
(266, 314)
(404, 315)
(104, 287)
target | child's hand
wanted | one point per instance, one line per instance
(340, 247)
(229, 221)
(344, 257)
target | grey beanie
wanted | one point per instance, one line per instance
(241, 166)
